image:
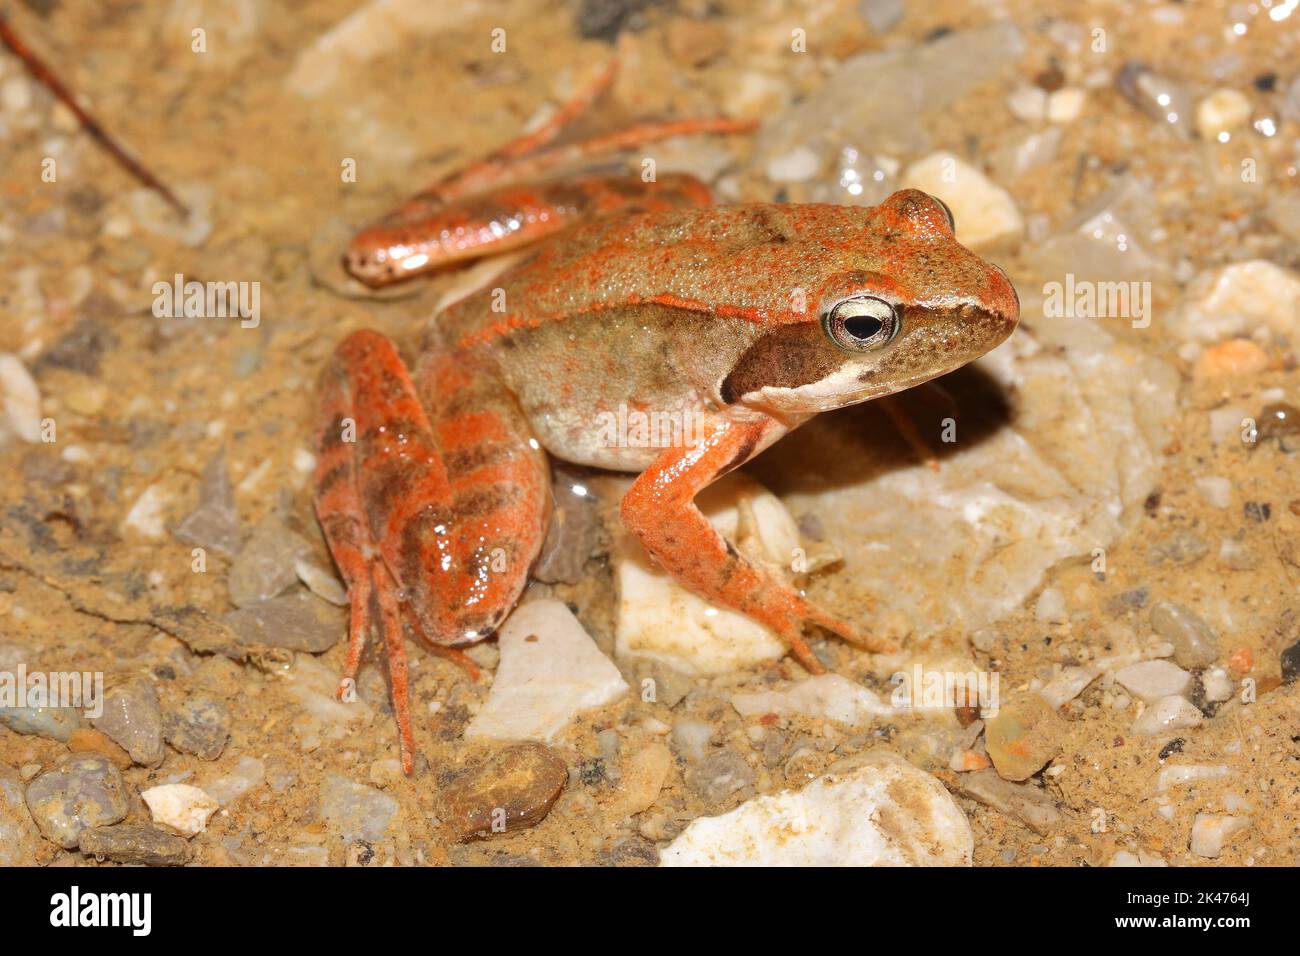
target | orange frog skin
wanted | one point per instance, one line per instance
(433, 486)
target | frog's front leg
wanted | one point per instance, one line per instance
(659, 509)
(433, 501)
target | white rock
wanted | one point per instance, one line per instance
(20, 400)
(550, 670)
(1050, 606)
(146, 517)
(1183, 774)
(1226, 424)
(1211, 831)
(1152, 680)
(184, 808)
(1167, 714)
(1215, 489)
(831, 696)
(660, 620)
(881, 812)
(1028, 103)
(1141, 858)
(1217, 684)
(797, 166)
(1068, 684)
(983, 210)
(1064, 106)
(1238, 299)
(1222, 111)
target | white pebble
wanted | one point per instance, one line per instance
(1210, 832)
(1222, 112)
(1226, 424)
(146, 517)
(1217, 684)
(984, 212)
(1028, 103)
(1215, 489)
(1064, 106)
(1050, 606)
(1152, 680)
(184, 808)
(1183, 774)
(1167, 714)
(797, 166)
(21, 400)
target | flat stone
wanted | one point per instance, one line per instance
(89, 740)
(1195, 644)
(1023, 736)
(550, 671)
(133, 719)
(1151, 680)
(54, 723)
(1211, 832)
(719, 775)
(876, 811)
(830, 696)
(265, 566)
(180, 806)
(513, 789)
(214, 523)
(199, 726)
(1167, 714)
(296, 622)
(356, 811)
(132, 843)
(1021, 801)
(81, 791)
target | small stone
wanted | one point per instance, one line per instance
(1163, 99)
(89, 740)
(1066, 105)
(1022, 801)
(248, 772)
(356, 811)
(296, 622)
(199, 726)
(574, 533)
(1152, 680)
(1239, 299)
(1182, 774)
(20, 401)
(1182, 547)
(797, 166)
(135, 844)
(184, 808)
(1141, 858)
(147, 517)
(320, 582)
(1023, 736)
(1234, 357)
(1166, 715)
(1217, 685)
(265, 565)
(133, 719)
(1210, 832)
(690, 738)
(719, 775)
(984, 212)
(81, 791)
(876, 811)
(1291, 663)
(1223, 111)
(1068, 684)
(54, 723)
(215, 522)
(1050, 606)
(513, 789)
(550, 671)
(642, 778)
(1216, 490)
(830, 696)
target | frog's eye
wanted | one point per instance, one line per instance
(861, 324)
(952, 223)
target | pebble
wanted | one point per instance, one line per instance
(1022, 801)
(1163, 99)
(182, 807)
(53, 723)
(1152, 680)
(1223, 111)
(876, 811)
(147, 517)
(550, 671)
(247, 773)
(135, 844)
(719, 775)
(797, 166)
(88, 740)
(1210, 832)
(1182, 774)
(1023, 736)
(1141, 858)
(265, 566)
(296, 622)
(1291, 663)
(133, 719)
(575, 531)
(1068, 684)
(513, 789)
(984, 212)
(829, 696)
(1217, 685)
(690, 738)
(81, 791)
(1233, 357)
(641, 779)
(20, 401)
(1215, 489)
(1239, 299)
(356, 811)
(1066, 105)
(199, 726)
(214, 523)
(1050, 606)
(1167, 714)
(320, 582)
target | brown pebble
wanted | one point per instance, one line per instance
(513, 789)
(1024, 735)
(91, 741)
(1234, 357)
(1278, 419)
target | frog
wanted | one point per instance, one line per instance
(433, 480)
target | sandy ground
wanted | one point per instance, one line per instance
(143, 405)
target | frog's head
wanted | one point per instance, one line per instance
(901, 308)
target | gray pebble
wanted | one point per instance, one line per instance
(199, 726)
(264, 567)
(214, 523)
(80, 792)
(133, 719)
(1182, 547)
(1195, 644)
(131, 843)
(719, 775)
(297, 622)
(55, 723)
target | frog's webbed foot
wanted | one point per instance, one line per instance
(659, 509)
(433, 517)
